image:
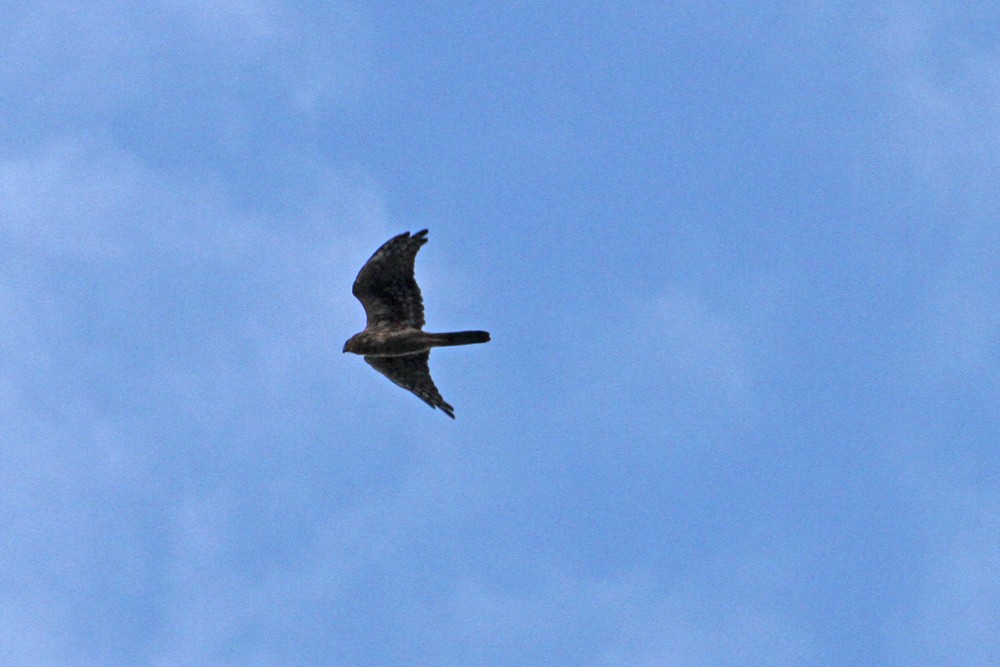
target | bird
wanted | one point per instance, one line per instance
(393, 341)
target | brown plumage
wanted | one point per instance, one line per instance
(393, 342)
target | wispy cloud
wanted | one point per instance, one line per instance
(156, 333)
(677, 348)
(943, 108)
(642, 618)
(201, 71)
(958, 614)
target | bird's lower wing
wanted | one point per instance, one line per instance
(412, 373)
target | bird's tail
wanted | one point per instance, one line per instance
(459, 338)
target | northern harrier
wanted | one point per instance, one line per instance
(392, 342)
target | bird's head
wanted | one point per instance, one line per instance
(352, 344)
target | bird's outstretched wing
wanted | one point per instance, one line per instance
(385, 286)
(412, 373)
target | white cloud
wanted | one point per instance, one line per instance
(169, 371)
(696, 340)
(943, 108)
(679, 349)
(153, 333)
(952, 611)
(231, 603)
(254, 19)
(962, 330)
(688, 632)
(958, 618)
(943, 114)
(190, 62)
(639, 619)
(943, 90)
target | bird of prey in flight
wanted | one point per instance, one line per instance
(393, 342)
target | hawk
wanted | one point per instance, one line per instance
(393, 342)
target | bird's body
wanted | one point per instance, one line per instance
(408, 341)
(393, 341)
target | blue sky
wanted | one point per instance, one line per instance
(741, 269)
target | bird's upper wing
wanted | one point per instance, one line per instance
(412, 373)
(385, 286)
